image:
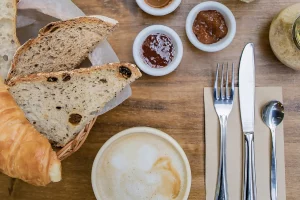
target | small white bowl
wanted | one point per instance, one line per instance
(137, 46)
(158, 11)
(147, 130)
(229, 19)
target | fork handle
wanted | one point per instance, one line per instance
(249, 192)
(221, 190)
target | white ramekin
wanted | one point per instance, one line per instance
(148, 131)
(158, 11)
(229, 19)
(139, 40)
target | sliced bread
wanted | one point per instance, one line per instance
(60, 104)
(8, 39)
(61, 45)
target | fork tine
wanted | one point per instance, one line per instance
(216, 83)
(222, 84)
(226, 88)
(232, 82)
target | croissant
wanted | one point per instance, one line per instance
(24, 152)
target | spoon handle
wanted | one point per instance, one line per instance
(273, 168)
(249, 192)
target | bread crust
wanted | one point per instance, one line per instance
(14, 34)
(15, 22)
(42, 76)
(45, 31)
(89, 90)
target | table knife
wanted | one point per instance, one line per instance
(247, 102)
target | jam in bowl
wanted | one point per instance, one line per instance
(157, 50)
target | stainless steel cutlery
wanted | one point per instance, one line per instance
(223, 101)
(247, 104)
(272, 115)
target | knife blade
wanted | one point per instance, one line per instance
(247, 104)
(247, 88)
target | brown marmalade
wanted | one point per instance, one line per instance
(210, 26)
(158, 50)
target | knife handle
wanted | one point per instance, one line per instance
(249, 192)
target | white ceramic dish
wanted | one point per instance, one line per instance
(148, 131)
(139, 40)
(158, 11)
(229, 19)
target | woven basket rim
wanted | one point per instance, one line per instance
(75, 144)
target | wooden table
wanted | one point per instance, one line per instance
(174, 103)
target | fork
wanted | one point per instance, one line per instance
(223, 101)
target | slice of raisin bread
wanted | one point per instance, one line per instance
(8, 39)
(61, 45)
(60, 104)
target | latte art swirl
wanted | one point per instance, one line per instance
(170, 176)
(141, 167)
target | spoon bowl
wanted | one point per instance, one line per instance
(273, 114)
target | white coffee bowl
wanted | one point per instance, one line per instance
(146, 130)
(139, 40)
(229, 19)
(158, 11)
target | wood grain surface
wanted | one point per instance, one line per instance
(174, 103)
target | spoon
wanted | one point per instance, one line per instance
(272, 115)
(296, 32)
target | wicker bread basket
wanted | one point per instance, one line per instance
(72, 146)
(76, 143)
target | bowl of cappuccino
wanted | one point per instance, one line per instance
(141, 164)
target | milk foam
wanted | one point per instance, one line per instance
(141, 167)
